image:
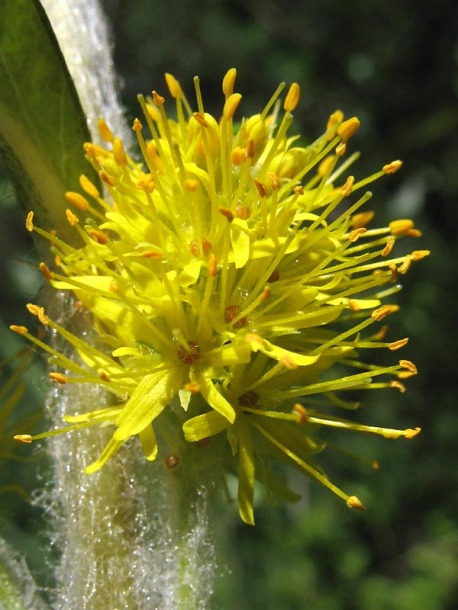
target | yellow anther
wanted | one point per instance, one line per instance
(292, 97)
(354, 502)
(77, 200)
(113, 287)
(191, 185)
(265, 294)
(146, 183)
(301, 413)
(229, 81)
(401, 226)
(394, 345)
(299, 190)
(335, 119)
(362, 219)
(173, 85)
(238, 155)
(405, 265)
(398, 385)
(375, 465)
(262, 190)
(200, 119)
(104, 131)
(274, 181)
(348, 186)
(119, 153)
(381, 334)
(72, 218)
(323, 167)
(88, 187)
(383, 311)
(58, 378)
(389, 246)
(230, 105)
(45, 271)
(392, 167)
(137, 126)
(409, 366)
(212, 265)
(29, 222)
(153, 112)
(412, 433)
(158, 99)
(20, 330)
(33, 309)
(353, 305)
(341, 149)
(23, 438)
(356, 234)
(348, 128)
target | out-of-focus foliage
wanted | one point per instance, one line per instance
(395, 65)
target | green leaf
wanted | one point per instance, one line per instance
(42, 124)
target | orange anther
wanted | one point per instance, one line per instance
(389, 246)
(301, 413)
(394, 345)
(58, 378)
(77, 200)
(356, 234)
(262, 190)
(158, 99)
(137, 126)
(45, 271)
(383, 311)
(392, 167)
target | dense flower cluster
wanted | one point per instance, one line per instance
(226, 274)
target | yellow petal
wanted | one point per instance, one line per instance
(148, 400)
(213, 396)
(204, 426)
(149, 443)
(284, 356)
(246, 476)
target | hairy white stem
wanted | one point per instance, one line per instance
(83, 35)
(133, 535)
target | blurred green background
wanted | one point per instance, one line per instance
(395, 66)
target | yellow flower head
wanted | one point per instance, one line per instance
(226, 272)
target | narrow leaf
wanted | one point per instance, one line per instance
(42, 124)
